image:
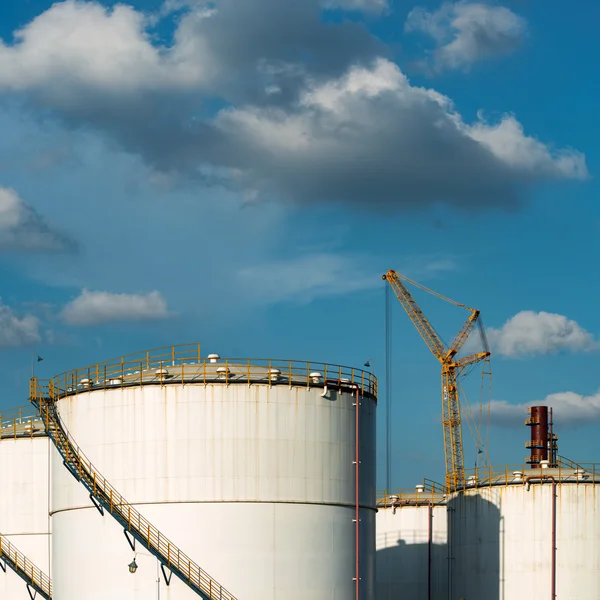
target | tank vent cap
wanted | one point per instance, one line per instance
(213, 358)
(344, 380)
(394, 498)
(274, 374)
(86, 383)
(116, 381)
(471, 481)
(420, 488)
(222, 372)
(544, 464)
(162, 372)
(518, 475)
(315, 377)
(581, 474)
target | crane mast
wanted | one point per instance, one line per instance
(451, 370)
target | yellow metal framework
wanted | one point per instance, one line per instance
(126, 515)
(451, 369)
(35, 578)
(427, 494)
(183, 364)
(565, 471)
(22, 422)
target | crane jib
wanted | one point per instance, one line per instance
(451, 368)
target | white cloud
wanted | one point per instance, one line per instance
(569, 409)
(360, 5)
(17, 331)
(22, 229)
(370, 136)
(81, 47)
(468, 32)
(307, 130)
(77, 44)
(529, 333)
(93, 308)
(306, 278)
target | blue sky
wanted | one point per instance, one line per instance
(241, 174)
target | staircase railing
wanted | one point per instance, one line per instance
(34, 577)
(105, 495)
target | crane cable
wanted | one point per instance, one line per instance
(388, 388)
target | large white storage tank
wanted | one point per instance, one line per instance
(526, 533)
(412, 551)
(248, 466)
(24, 501)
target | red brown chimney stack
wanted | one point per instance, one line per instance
(538, 421)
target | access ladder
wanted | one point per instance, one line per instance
(35, 578)
(106, 497)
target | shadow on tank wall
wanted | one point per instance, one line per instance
(466, 568)
(475, 535)
(402, 572)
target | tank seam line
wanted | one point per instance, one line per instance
(335, 505)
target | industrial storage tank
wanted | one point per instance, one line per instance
(412, 553)
(248, 466)
(24, 501)
(527, 531)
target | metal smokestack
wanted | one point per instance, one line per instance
(538, 443)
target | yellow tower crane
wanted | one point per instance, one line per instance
(451, 369)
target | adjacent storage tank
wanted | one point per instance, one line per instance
(247, 465)
(24, 501)
(523, 533)
(411, 533)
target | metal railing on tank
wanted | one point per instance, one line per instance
(183, 364)
(34, 577)
(426, 493)
(564, 471)
(22, 422)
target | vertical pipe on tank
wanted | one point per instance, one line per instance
(429, 548)
(552, 446)
(357, 498)
(553, 596)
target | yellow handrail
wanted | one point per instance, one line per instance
(429, 492)
(25, 569)
(127, 515)
(183, 364)
(20, 422)
(510, 474)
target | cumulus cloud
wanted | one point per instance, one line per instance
(23, 229)
(16, 330)
(468, 32)
(312, 115)
(85, 46)
(94, 308)
(529, 333)
(371, 137)
(305, 278)
(569, 408)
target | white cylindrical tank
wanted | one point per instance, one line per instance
(531, 533)
(24, 501)
(412, 552)
(247, 466)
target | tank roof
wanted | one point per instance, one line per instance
(428, 493)
(21, 422)
(184, 364)
(565, 471)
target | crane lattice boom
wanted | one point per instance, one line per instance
(451, 369)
